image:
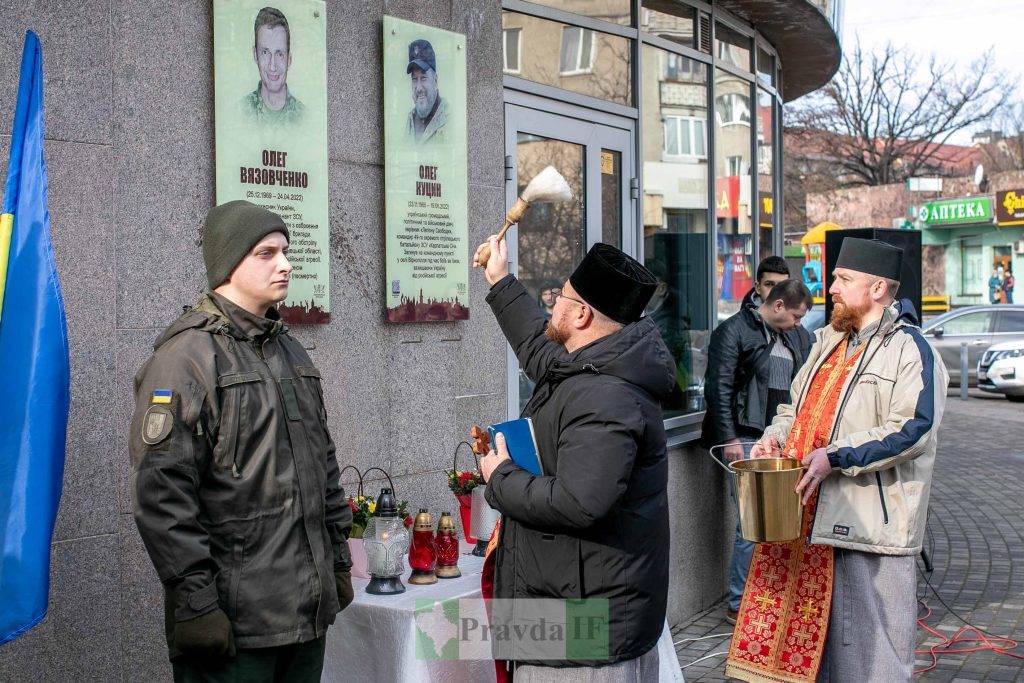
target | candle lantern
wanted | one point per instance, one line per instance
(386, 541)
(447, 544)
(422, 555)
(483, 518)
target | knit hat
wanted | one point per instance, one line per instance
(230, 231)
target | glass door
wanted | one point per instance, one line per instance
(597, 161)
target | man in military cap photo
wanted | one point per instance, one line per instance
(235, 486)
(594, 525)
(863, 419)
(272, 100)
(429, 113)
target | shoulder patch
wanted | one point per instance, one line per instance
(157, 424)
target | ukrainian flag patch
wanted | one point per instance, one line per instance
(161, 396)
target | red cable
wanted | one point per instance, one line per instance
(950, 645)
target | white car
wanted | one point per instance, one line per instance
(1001, 370)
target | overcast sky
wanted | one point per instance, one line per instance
(954, 30)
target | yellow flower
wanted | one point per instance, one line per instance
(373, 507)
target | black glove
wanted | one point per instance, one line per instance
(206, 636)
(343, 582)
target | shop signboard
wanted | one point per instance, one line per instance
(270, 83)
(1010, 207)
(960, 211)
(425, 157)
(727, 197)
(767, 211)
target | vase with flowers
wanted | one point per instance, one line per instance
(462, 483)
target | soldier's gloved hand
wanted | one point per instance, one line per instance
(208, 636)
(343, 582)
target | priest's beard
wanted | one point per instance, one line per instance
(552, 332)
(845, 317)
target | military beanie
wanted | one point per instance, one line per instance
(230, 231)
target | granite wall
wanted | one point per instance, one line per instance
(129, 128)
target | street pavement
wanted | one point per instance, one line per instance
(975, 536)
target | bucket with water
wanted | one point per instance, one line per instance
(770, 510)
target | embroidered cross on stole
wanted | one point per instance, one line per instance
(783, 619)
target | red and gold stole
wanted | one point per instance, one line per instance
(783, 619)
(502, 673)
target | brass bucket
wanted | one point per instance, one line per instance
(770, 510)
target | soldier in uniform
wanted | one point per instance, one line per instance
(272, 100)
(235, 485)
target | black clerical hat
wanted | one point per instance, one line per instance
(615, 284)
(873, 257)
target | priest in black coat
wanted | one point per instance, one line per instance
(594, 525)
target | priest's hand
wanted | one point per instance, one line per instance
(767, 447)
(733, 450)
(496, 266)
(817, 468)
(495, 457)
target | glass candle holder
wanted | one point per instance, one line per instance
(386, 540)
(446, 543)
(422, 555)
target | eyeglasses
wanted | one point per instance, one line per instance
(563, 296)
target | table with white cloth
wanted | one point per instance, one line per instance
(375, 638)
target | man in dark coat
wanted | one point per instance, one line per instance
(752, 360)
(594, 525)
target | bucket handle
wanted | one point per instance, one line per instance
(711, 452)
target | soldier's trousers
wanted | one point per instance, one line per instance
(302, 663)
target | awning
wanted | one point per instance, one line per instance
(816, 235)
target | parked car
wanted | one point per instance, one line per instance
(1001, 370)
(979, 327)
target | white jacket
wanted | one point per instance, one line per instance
(882, 447)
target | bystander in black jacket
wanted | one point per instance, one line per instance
(596, 525)
(736, 383)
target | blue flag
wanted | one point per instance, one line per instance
(36, 371)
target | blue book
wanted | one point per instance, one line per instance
(521, 442)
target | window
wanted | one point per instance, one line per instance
(579, 60)
(668, 20)
(733, 109)
(765, 178)
(679, 68)
(972, 265)
(675, 219)
(732, 47)
(1010, 321)
(765, 67)
(685, 136)
(510, 49)
(577, 50)
(734, 267)
(613, 11)
(968, 323)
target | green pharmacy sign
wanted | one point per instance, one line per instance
(956, 211)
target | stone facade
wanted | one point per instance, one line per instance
(129, 97)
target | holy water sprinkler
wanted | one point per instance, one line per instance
(546, 186)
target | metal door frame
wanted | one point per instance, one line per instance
(560, 121)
